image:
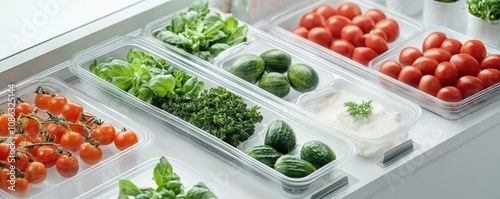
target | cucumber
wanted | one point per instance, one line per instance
(293, 167)
(265, 154)
(276, 60)
(280, 136)
(303, 78)
(317, 153)
(275, 83)
(248, 67)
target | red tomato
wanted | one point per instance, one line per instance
(336, 23)
(449, 94)
(492, 61)
(375, 14)
(410, 75)
(379, 32)
(378, 44)
(22, 107)
(426, 65)
(475, 48)
(452, 45)
(489, 76)
(325, 10)
(349, 10)
(353, 34)
(438, 54)
(125, 139)
(390, 68)
(469, 85)
(41, 100)
(447, 73)
(390, 27)
(301, 31)
(408, 55)
(434, 40)
(311, 20)
(343, 47)
(466, 64)
(54, 105)
(71, 111)
(365, 23)
(321, 36)
(429, 84)
(363, 55)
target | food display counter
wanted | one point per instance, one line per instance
(435, 149)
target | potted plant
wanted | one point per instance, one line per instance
(443, 13)
(484, 20)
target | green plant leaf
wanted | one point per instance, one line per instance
(127, 188)
(238, 35)
(177, 23)
(161, 84)
(162, 172)
(169, 37)
(218, 48)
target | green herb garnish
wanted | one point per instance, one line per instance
(169, 186)
(202, 32)
(364, 109)
(488, 10)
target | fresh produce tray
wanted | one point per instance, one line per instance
(142, 176)
(446, 109)
(305, 128)
(110, 154)
(282, 24)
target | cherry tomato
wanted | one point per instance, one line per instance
(22, 187)
(375, 14)
(475, 48)
(90, 154)
(379, 32)
(489, 76)
(31, 127)
(363, 55)
(321, 36)
(30, 150)
(390, 68)
(105, 134)
(426, 65)
(4, 177)
(24, 108)
(125, 139)
(452, 45)
(21, 161)
(54, 106)
(41, 100)
(67, 166)
(469, 85)
(466, 64)
(410, 75)
(449, 94)
(447, 73)
(390, 27)
(18, 138)
(71, 111)
(438, 54)
(408, 55)
(429, 84)
(325, 10)
(378, 44)
(4, 124)
(301, 31)
(47, 155)
(342, 47)
(36, 172)
(352, 34)
(434, 40)
(79, 129)
(349, 10)
(491, 61)
(364, 22)
(71, 141)
(4, 151)
(311, 20)
(336, 23)
(57, 131)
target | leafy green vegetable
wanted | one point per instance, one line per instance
(169, 186)
(354, 109)
(202, 32)
(488, 10)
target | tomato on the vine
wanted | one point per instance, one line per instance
(21, 161)
(4, 124)
(47, 155)
(25, 146)
(4, 177)
(54, 105)
(24, 108)
(71, 111)
(67, 166)
(90, 154)
(4, 151)
(105, 134)
(56, 130)
(41, 100)
(31, 126)
(22, 187)
(125, 139)
(71, 141)
(36, 172)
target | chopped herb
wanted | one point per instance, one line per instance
(354, 109)
(488, 10)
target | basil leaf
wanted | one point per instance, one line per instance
(162, 172)
(168, 37)
(117, 68)
(145, 94)
(231, 24)
(205, 55)
(177, 23)
(127, 188)
(216, 36)
(197, 88)
(161, 84)
(200, 191)
(199, 6)
(123, 82)
(238, 35)
(218, 48)
(213, 23)
(93, 66)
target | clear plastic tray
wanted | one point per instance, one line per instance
(448, 110)
(142, 176)
(26, 91)
(304, 127)
(226, 59)
(284, 22)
